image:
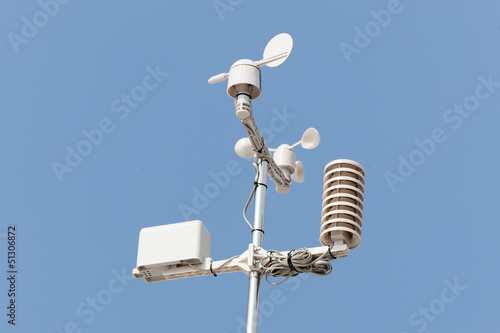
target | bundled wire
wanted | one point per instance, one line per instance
(295, 262)
(211, 269)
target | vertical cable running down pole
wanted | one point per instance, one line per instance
(257, 235)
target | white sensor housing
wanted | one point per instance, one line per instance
(244, 78)
(285, 159)
(343, 195)
(170, 246)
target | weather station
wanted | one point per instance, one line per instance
(182, 250)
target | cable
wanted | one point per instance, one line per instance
(276, 264)
(211, 269)
(255, 184)
(246, 206)
(228, 261)
(262, 152)
(293, 263)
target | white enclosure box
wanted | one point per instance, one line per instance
(167, 245)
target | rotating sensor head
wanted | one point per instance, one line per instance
(284, 156)
(244, 75)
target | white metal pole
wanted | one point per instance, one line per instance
(257, 235)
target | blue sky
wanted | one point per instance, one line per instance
(409, 89)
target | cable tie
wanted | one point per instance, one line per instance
(256, 229)
(212, 270)
(242, 93)
(289, 260)
(329, 251)
(257, 183)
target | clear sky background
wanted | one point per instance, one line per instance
(428, 260)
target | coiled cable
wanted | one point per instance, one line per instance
(277, 264)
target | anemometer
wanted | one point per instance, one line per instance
(182, 250)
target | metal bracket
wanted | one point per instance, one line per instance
(246, 262)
